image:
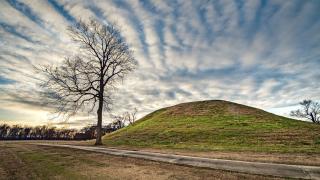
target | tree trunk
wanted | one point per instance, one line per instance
(99, 124)
(312, 118)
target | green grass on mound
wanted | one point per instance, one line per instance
(218, 125)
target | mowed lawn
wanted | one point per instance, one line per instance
(19, 160)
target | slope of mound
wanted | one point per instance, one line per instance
(218, 125)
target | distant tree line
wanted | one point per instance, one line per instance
(18, 132)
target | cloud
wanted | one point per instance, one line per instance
(261, 53)
(5, 81)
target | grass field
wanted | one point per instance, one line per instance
(19, 160)
(215, 129)
(218, 126)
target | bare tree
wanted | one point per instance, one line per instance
(126, 118)
(4, 130)
(84, 81)
(131, 117)
(118, 122)
(310, 110)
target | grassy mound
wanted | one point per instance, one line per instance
(218, 125)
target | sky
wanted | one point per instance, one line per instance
(264, 54)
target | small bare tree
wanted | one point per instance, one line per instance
(118, 122)
(126, 118)
(83, 81)
(130, 117)
(310, 110)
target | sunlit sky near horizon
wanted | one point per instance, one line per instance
(260, 53)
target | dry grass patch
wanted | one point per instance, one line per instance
(38, 162)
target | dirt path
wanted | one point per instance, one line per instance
(308, 159)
